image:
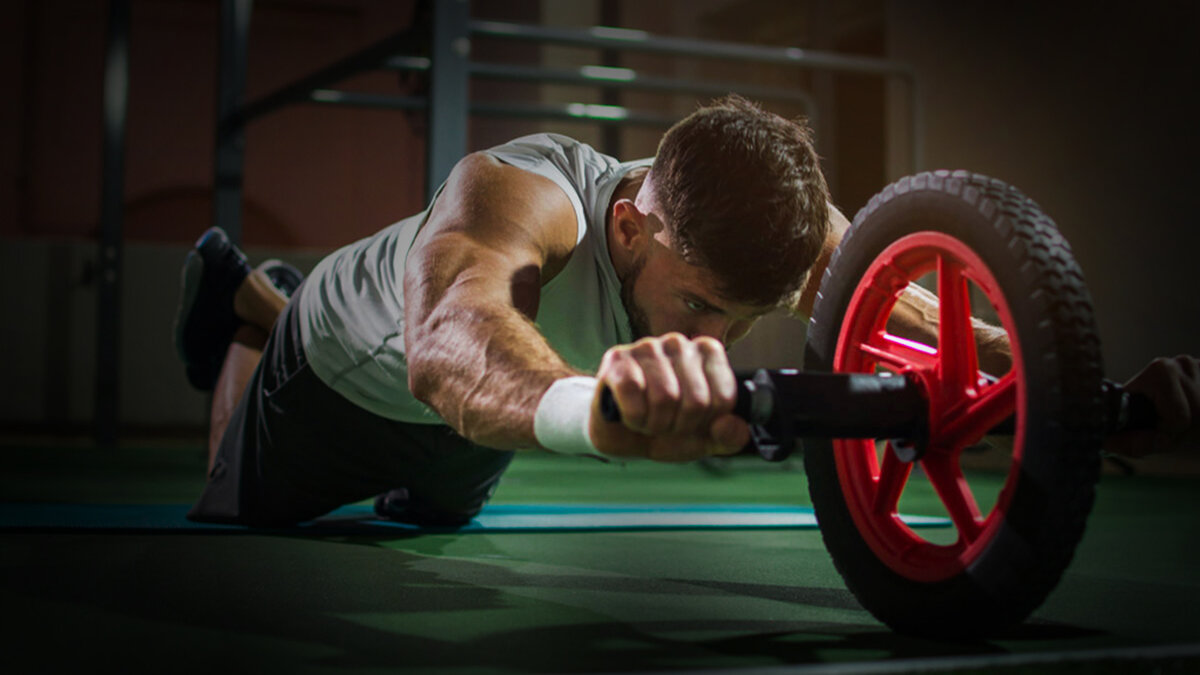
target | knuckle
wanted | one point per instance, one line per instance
(619, 372)
(710, 346)
(674, 344)
(620, 354)
(609, 361)
(1162, 365)
(644, 349)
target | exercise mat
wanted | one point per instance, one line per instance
(358, 518)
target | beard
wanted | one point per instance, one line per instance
(639, 323)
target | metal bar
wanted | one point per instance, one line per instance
(229, 152)
(110, 258)
(610, 78)
(625, 78)
(575, 112)
(371, 58)
(447, 122)
(368, 100)
(571, 112)
(636, 40)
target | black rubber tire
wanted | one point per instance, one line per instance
(1052, 311)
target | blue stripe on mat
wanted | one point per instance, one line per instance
(494, 518)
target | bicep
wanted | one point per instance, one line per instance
(492, 236)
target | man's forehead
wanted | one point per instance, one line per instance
(703, 283)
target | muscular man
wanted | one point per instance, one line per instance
(411, 364)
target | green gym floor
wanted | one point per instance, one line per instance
(746, 601)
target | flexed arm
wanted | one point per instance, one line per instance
(472, 283)
(471, 289)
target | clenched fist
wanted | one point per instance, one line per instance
(676, 397)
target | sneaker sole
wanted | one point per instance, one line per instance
(285, 277)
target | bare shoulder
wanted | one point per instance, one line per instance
(499, 204)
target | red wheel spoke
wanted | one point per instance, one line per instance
(947, 478)
(893, 476)
(956, 336)
(995, 404)
(898, 353)
(962, 403)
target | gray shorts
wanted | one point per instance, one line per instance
(296, 449)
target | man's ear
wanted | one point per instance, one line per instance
(631, 228)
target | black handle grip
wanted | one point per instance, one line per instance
(611, 412)
(1128, 410)
(1139, 412)
(1142, 413)
(859, 405)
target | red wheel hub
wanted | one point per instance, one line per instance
(963, 404)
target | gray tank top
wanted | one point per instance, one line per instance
(352, 305)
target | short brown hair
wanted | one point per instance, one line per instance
(742, 195)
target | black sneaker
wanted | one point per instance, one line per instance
(391, 504)
(284, 276)
(205, 320)
(398, 505)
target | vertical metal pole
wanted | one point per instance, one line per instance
(230, 155)
(108, 314)
(448, 112)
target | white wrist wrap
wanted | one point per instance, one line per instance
(561, 421)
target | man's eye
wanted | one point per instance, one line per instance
(695, 305)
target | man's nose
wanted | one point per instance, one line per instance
(716, 327)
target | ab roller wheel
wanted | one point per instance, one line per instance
(957, 232)
(884, 416)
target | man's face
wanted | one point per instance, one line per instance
(664, 294)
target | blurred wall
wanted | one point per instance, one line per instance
(1086, 109)
(316, 177)
(1090, 109)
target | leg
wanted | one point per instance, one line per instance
(244, 354)
(218, 293)
(452, 483)
(257, 301)
(261, 380)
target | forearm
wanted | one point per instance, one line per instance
(915, 317)
(483, 369)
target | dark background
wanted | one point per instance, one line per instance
(1088, 107)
